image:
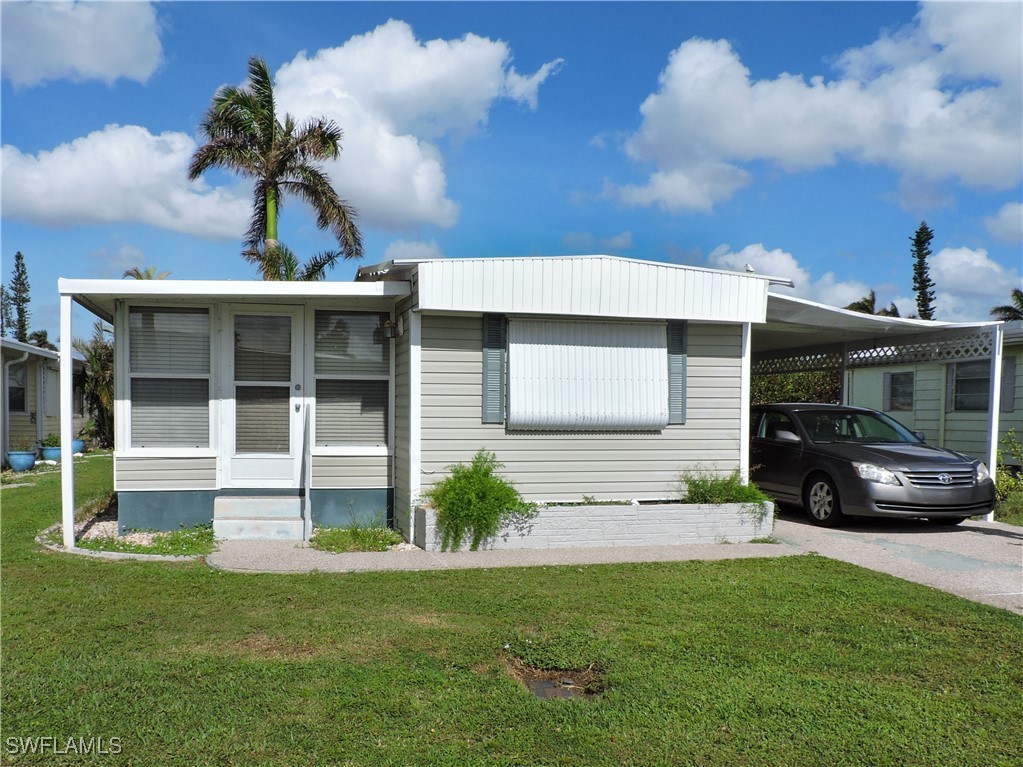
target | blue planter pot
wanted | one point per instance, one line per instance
(51, 453)
(21, 460)
(78, 446)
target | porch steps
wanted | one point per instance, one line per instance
(257, 518)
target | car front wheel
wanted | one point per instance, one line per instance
(820, 499)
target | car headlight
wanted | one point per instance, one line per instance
(876, 473)
(981, 473)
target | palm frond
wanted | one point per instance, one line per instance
(316, 267)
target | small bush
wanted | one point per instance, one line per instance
(354, 538)
(1008, 480)
(50, 440)
(699, 486)
(475, 501)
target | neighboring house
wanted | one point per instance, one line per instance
(31, 394)
(591, 377)
(950, 401)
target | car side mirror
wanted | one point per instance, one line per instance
(919, 435)
(784, 435)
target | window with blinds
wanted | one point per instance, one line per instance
(353, 379)
(169, 372)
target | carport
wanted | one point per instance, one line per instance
(803, 336)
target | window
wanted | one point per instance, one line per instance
(773, 423)
(16, 388)
(972, 386)
(169, 376)
(353, 379)
(573, 375)
(898, 391)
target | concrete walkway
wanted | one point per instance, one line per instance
(291, 557)
(982, 561)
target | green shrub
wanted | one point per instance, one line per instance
(50, 440)
(701, 486)
(475, 501)
(1010, 509)
(1007, 481)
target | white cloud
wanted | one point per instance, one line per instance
(119, 174)
(395, 97)
(79, 41)
(416, 249)
(779, 263)
(939, 99)
(1007, 224)
(968, 283)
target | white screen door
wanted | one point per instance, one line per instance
(265, 402)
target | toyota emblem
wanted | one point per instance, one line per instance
(945, 479)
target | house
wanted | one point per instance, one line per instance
(268, 407)
(31, 395)
(949, 400)
(271, 406)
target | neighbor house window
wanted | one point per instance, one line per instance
(969, 386)
(898, 391)
(169, 376)
(16, 388)
(353, 379)
(568, 375)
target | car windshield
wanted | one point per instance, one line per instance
(853, 426)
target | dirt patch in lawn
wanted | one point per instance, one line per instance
(586, 683)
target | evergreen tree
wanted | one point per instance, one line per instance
(20, 297)
(923, 285)
(6, 313)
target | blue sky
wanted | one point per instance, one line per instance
(807, 139)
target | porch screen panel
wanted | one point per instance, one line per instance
(350, 344)
(262, 420)
(170, 412)
(169, 340)
(169, 372)
(351, 413)
(587, 376)
(262, 348)
(352, 365)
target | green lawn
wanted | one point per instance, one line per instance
(794, 661)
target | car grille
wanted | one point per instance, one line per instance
(966, 509)
(955, 478)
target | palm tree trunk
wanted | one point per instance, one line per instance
(271, 217)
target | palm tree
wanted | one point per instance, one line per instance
(1011, 311)
(868, 305)
(148, 273)
(244, 134)
(41, 339)
(98, 384)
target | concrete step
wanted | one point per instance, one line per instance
(257, 506)
(258, 528)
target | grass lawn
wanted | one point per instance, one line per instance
(795, 661)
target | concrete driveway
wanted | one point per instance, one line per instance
(982, 561)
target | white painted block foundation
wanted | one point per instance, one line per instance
(558, 527)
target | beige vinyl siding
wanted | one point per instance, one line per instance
(22, 429)
(179, 473)
(568, 466)
(966, 432)
(402, 492)
(351, 471)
